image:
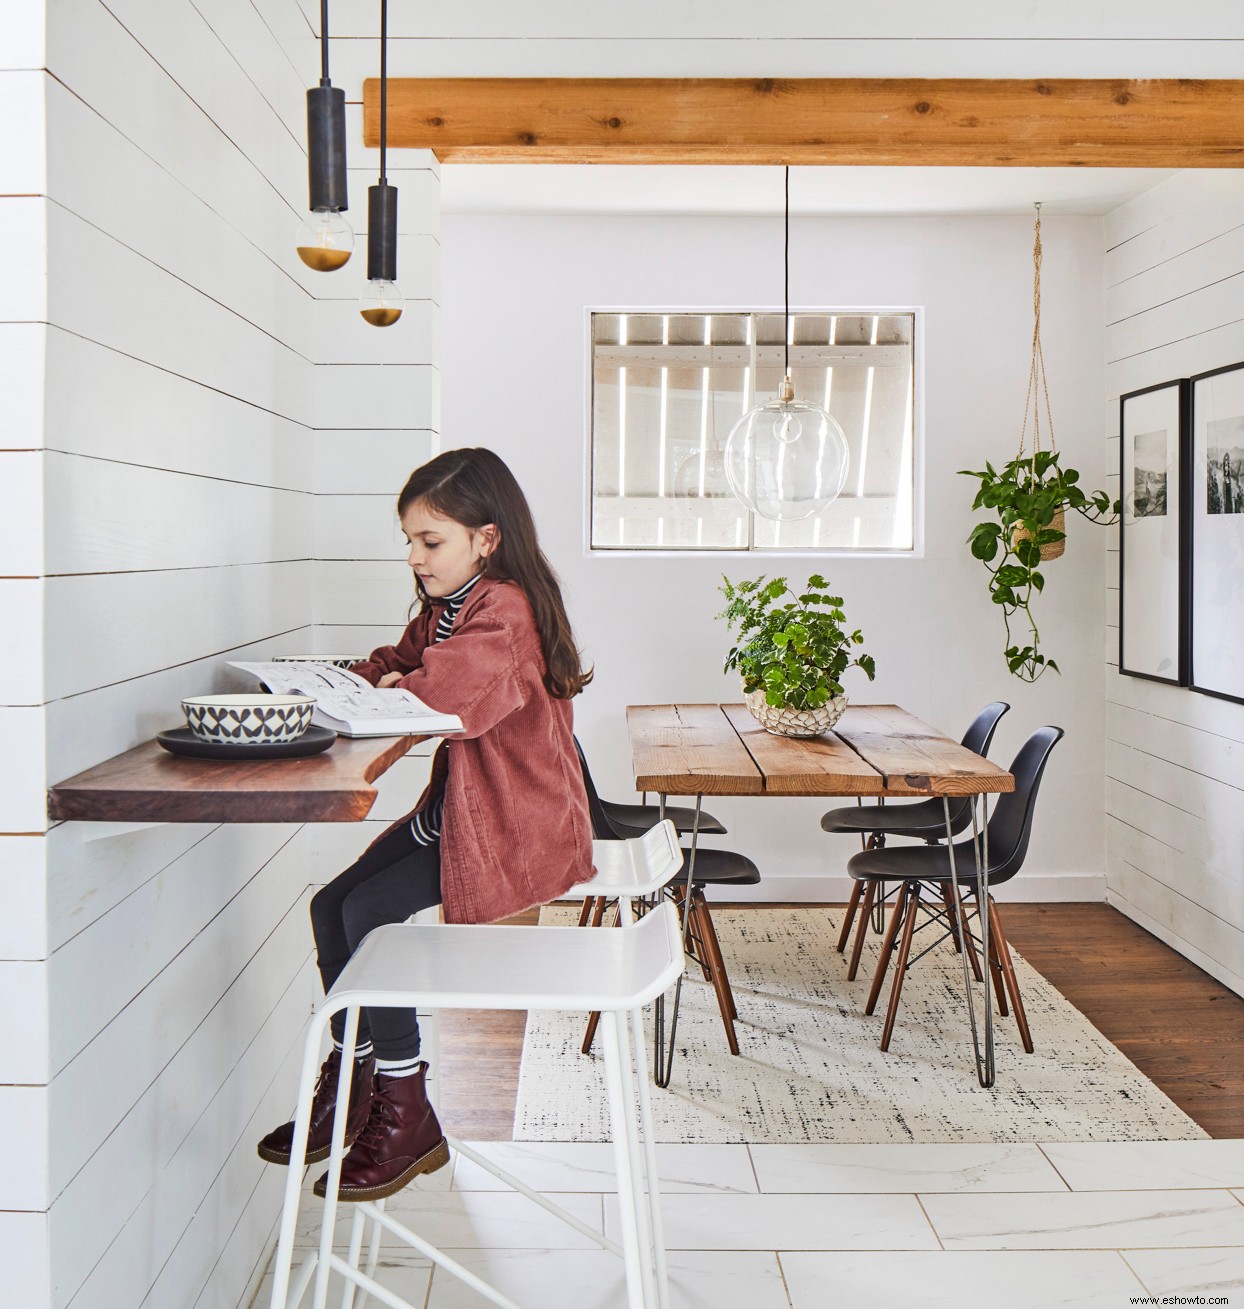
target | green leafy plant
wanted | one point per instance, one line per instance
(795, 651)
(1025, 497)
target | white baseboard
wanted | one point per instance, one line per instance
(1034, 888)
(1027, 888)
(1204, 962)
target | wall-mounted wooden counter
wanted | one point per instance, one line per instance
(147, 784)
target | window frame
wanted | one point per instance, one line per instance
(700, 552)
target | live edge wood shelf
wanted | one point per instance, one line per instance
(149, 785)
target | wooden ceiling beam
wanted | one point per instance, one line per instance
(901, 121)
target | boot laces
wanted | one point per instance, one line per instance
(327, 1080)
(381, 1116)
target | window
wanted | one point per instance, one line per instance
(668, 387)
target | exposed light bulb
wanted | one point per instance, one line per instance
(786, 460)
(325, 241)
(788, 428)
(381, 303)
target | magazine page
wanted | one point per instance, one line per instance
(348, 702)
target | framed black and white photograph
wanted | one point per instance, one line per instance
(1153, 548)
(1217, 590)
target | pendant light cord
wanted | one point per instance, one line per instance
(384, 82)
(786, 282)
(324, 43)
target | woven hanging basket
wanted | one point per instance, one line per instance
(1038, 390)
(1052, 549)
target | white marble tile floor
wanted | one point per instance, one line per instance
(967, 1226)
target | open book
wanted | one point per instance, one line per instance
(351, 706)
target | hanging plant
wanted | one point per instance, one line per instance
(1029, 499)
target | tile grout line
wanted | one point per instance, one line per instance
(777, 1254)
(1054, 1166)
(1127, 1264)
(936, 1235)
(751, 1160)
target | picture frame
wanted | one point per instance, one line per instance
(1216, 589)
(1154, 527)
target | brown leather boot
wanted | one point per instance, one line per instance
(401, 1140)
(275, 1147)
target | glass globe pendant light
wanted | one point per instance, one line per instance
(325, 240)
(381, 303)
(786, 459)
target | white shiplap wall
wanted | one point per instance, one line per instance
(203, 444)
(23, 923)
(1174, 775)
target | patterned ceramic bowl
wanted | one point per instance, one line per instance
(794, 722)
(248, 719)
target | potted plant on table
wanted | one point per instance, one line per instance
(791, 653)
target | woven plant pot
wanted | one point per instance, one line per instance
(794, 722)
(1054, 548)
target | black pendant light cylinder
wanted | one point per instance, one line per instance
(326, 146)
(382, 233)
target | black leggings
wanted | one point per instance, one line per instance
(397, 877)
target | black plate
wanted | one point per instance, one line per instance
(182, 741)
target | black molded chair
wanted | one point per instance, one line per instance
(922, 819)
(629, 820)
(918, 868)
(712, 868)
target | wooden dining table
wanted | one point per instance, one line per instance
(878, 750)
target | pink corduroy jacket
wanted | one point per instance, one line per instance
(516, 830)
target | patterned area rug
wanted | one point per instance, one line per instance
(810, 1070)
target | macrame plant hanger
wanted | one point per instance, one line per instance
(1036, 396)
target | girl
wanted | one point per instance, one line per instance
(503, 824)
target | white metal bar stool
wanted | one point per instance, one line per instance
(633, 869)
(459, 966)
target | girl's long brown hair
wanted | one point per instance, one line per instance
(474, 487)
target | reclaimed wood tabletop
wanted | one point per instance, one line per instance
(879, 750)
(147, 784)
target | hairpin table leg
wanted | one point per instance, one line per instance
(663, 1052)
(980, 847)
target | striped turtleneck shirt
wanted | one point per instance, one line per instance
(425, 826)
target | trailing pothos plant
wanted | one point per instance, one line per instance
(795, 651)
(1026, 496)
(1030, 498)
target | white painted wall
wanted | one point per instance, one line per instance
(1174, 266)
(193, 422)
(516, 289)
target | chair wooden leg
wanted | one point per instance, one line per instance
(995, 971)
(870, 890)
(589, 903)
(852, 905)
(694, 936)
(887, 949)
(948, 900)
(714, 945)
(1008, 972)
(900, 964)
(948, 895)
(725, 1001)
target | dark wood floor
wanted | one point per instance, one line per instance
(1181, 1028)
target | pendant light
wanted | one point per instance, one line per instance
(325, 240)
(381, 303)
(787, 459)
